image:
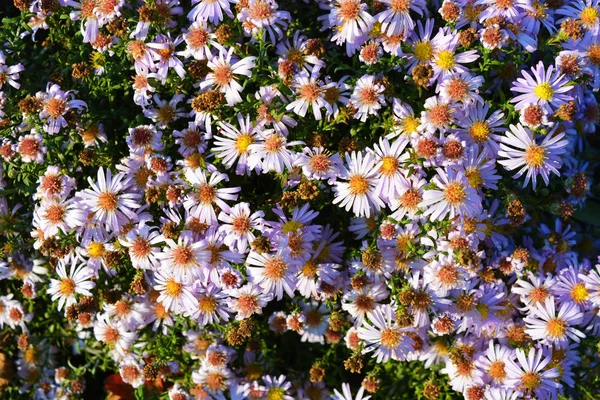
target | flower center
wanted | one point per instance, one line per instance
(183, 256)
(544, 91)
(319, 163)
(440, 114)
(310, 92)
(535, 156)
(410, 199)
(358, 185)
(137, 48)
(166, 114)
(191, 138)
(55, 213)
(111, 335)
(497, 371)
(248, 304)
(241, 225)
(261, 10)
(273, 143)
(96, 250)
(410, 124)
(594, 54)
(390, 338)
(589, 15)
(556, 328)
(140, 247)
(480, 131)
(332, 95)
(389, 166)
(504, 3)
(207, 305)
(349, 10)
(141, 137)
(275, 269)
(223, 75)
(474, 177)
(173, 288)
(197, 37)
(455, 193)
(531, 380)
(242, 142)
(130, 373)
(447, 275)
(310, 269)
(55, 107)
(368, 96)
(457, 89)
(275, 393)
(400, 6)
(67, 287)
(423, 51)
(364, 303)
(579, 293)
(108, 201)
(206, 193)
(427, 148)
(445, 60)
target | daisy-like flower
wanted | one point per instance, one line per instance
(200, 204)
(190, 140)
(396, 19)
(55, 105)
(356, 188)
(520, 150)
(586, 11)
(545, 325)
(163, 52)
(384, 336)
(319, 164)
(248, 300)
(264, 16)
(183, 259)
(237, 225)
(210, 10)
(454, 196)
(131, 371)
(144, 138)
(390, 156)
(271, 152)
(139, 242)
(496, 359)
(277, 388)
(347, 393)
(475, 126)
(234, 145)
(367, 96)
(9, 74)
(211, 305)
(405, 121)
(175, 294)
(531, 374)
(350, 20)
(446, 62)
(546, 88)
(309, 92)
(198, 38)
(463, 88)
(410, 195)
(77, 280)
(274, 273)
(114, 334)
(56, 215)
(224, 68)
(165, 112)
(438, 115)
(110, 201)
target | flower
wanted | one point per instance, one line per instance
(248, 300)
(233, 146)
(114, 334)
(56, 104)
(9, 74)
(310, 92)
(350, 20)
(384, 336)
(367, 97)
(200, 203)
(237, 225)
(531, 374)
(358, 193)
(454, 196)
(547, 89)
(274, 273)
(396, 19)
(520, 150)
(224, 67)
(271, 152)
(175, 294)
(77, 280)
(550, 328)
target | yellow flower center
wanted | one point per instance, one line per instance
(480, 131)
(474, 177)
(390, 338)
(95, 250)
(242, 142)
(579, 293)
(445, 60)
(535, 156)
(423, 51)
(556, 328)
(67, 287)
(291, 226)
(531, 380)
(389, 165)
(455, 193)
(544, 91)
(358, 185)
(589, 15)
(207, 305)
(275, 394)
(173, 288)
(410, 124)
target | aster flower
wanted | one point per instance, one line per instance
(212, 306)
(175, 294)
(396, 19)
(586, 11)
(454, 196)
(350, 20)
(545, 325)
(248, 300)
(546, 88)
(237, 225)
(184, 259)
(56, 103)
(475, 126)
(271, 152)
(309, 92)
(200, 204)
(520, 150)
(233, 146)
(211, 11)
(367, 96)
(114, 334)
(224, 68)
(531, 374)
(319, 164)
(198, 38)
(391, 156)
(163, 52)
(264, 16)
(110, 200)
(9, 74)
(383, 335)
(139, 242)
(274, 273)
(77, 280)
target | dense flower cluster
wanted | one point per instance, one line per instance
(254, 199)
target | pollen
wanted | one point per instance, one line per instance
(445, 60)
(358, 185)
(544, 91)
(310, 269)
(273, 143)
(108, 201)
(206, 194)
(95, 250)
(55, 214)
(310, 92)
(556, 328)
(240, 225)
(275, 269)
(579, 293)
(440, 114)
(183, 255)
(29, 147)
(248, 304)
(223, 75)
(448, 274)
(423, 51)
(389, 165)
(410, 199)
(410, 124)
(531, 380)
(535, 156)
(457, 89)
(137, 48)
(427, 147)
(173, 288)
(111, 335)
(67, 287)
(368, 96)
(197, 37)
(319, 163)
(589, 15)
(207, 305)
(349, 10)
(291, 226)
(55, 107)
(140, 247)
(480, 131)
(390, 338)
(455, 193)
